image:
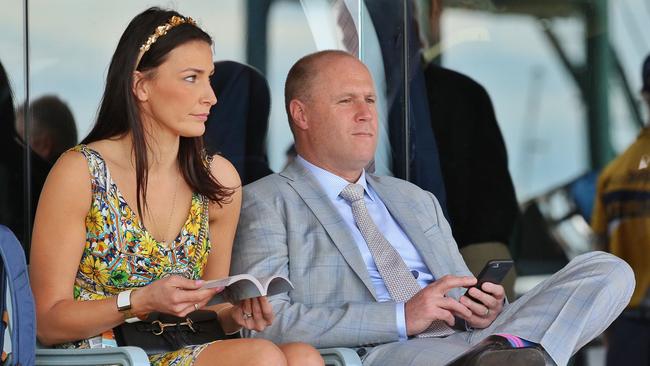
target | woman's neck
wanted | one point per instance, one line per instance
(162, 151)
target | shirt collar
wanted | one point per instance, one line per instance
(331, 183)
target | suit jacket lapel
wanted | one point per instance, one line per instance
(309, 190)
(399, 207)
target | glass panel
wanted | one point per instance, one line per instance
(510, 56)
(630, 44)
(288, 42)
(563, 78)
(14, 208)
(533, 58)
(72, 64)
(335, 24)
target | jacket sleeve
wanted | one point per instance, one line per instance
(262, 248)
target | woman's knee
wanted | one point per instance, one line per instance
(265, 352)
(242, 352)
(301, 354)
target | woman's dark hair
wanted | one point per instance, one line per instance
(118, 113)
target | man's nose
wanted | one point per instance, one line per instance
(364, 111)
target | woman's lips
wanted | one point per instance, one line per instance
(200, 116)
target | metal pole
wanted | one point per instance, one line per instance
(406, 105)
(257, 12)
(598, 59)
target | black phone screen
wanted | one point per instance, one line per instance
(494, 271)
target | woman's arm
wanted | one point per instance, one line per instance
(57, 245)
(223, 220)
(223, 225)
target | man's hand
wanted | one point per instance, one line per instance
(489, 306)
(431, 303)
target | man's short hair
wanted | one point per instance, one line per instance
(301, 76)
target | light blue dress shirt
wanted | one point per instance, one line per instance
(332, 185)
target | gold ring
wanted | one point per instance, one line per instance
(246, 315)
(487, 312)
(196, 306)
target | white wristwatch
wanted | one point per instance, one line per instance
(124, 306)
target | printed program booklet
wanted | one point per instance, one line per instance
(244, 286)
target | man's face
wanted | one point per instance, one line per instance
(341, 118)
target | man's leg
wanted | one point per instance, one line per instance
(418, 352)
(570, 308)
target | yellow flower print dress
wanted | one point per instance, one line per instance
(120, 254)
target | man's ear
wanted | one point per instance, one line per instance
(139, 86)
(298, 114)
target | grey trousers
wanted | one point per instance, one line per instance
(563, 313)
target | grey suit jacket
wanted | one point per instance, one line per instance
(288, 226)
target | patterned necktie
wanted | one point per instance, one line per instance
(397, 277)
(346, 24)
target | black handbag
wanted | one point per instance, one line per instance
(161, 333)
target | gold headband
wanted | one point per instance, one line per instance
(161, 31)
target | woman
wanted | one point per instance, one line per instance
(112, 206)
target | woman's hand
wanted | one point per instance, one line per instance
(175, 295)
(255, 314)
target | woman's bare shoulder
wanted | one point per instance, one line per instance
(71, 164)
(68, 183)
(225, 172)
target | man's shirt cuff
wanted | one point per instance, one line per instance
(401, 321)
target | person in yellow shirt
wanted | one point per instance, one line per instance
(621, 219)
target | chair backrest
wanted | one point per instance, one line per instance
(16, 292)
(238, 123)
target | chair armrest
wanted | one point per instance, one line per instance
(125, 356)
(340, 356)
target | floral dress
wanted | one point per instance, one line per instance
(120, 254)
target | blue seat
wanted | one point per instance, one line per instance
(15, 293)
(21, 348)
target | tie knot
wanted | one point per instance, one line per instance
(352, 192)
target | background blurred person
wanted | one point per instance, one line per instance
(52, 130)
(621, 219)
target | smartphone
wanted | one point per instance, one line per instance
(494, 271)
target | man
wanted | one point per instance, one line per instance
(344, 249)
(621, 220)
